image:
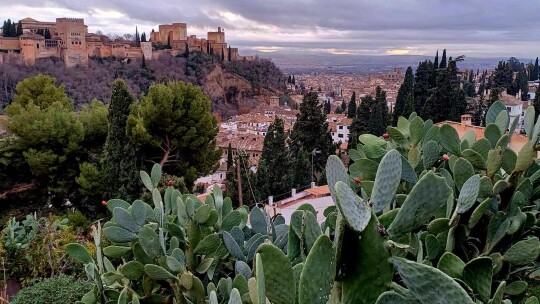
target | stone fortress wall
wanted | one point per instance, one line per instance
(71, 41)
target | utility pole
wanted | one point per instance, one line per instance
(239, 178)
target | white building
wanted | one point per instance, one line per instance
(339, 125)
(514, 106)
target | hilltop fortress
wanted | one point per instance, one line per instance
(71, 41)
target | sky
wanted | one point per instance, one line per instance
(478, 28)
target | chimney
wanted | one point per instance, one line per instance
(466, 120)
(293, 192)
(312, 184)
(219, 29)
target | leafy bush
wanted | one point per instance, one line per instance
(420, 217)
(35, 248)
(61, 289)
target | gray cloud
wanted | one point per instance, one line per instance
(484, 28)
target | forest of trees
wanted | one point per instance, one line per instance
(85, 84)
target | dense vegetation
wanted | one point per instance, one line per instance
(55, 156)
(85, 84)
(420, 217)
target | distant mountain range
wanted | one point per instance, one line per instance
(302, 63)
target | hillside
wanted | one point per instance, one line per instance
(233, 87)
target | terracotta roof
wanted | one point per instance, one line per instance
(319, 191)
(510, 100)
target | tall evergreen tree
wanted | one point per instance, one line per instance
(351, 109)
(405, 98)
(143, 37)
(448, 100)
(229, 156)
(536, 103)
(311, 132)
(137, 37)
(478, 116)
(327, 107)
(442, 65)
(293, 80)
(423, 84)
(289, 80)
(276, 158)
(343, 106)
(120, 163)
(494, 95)
(380, 98)
(436, 61)
(143, 62)
(300, 175)
(360, 123)
(20, 30)
(536, 70)
(376, 120)
(229, 57)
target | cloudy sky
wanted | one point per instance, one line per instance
(479, 28)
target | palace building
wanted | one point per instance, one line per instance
(71, 41)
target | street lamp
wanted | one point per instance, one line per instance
(315, 151)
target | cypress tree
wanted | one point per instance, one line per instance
(536, 70)
(351, 110)
(143, 37)
(229, 54)
(380, 98)
(478, 115)
(289, 80)
(301, 174)
(360, 123)
(293, 80)
(436, 61)
(276, 158)
(137, 37)
(536, 102)
(120, 162)
(405, 98)
(423, 84)
(311, 132)
(20, 30)
(143, 63)
(442, 65)
(222, 55)
(343, 106)
(377, 126)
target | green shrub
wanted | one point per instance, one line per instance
(61, 289)
(78, 221)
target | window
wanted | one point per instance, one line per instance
(340, 135)
(509, 109)
(340, 127)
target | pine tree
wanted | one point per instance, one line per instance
(436, 61)
(300, 175)
(20, 30)
(442, 65)
(137, 37)
(311, 132)
(351, 109)
(120, 163)
(405, 98)
(276, 158)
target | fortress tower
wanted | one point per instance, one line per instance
(72, 32)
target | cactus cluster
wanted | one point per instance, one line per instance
(435, 219)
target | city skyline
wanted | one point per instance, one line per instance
(406, 27)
